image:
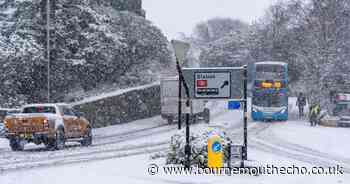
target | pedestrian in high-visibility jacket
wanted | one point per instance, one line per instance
(315, 110)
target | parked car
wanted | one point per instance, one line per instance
(342, 111)
(50, 124)
(341, 108)
(344, 115)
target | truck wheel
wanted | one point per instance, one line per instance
(16, 144)
(60, 139)
(87, 140)
(206, 115)
(170, 120)
(195, 118)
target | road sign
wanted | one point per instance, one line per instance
(214, 83)
(234, 105)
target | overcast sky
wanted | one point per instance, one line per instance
(174, 16)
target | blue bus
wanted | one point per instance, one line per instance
(269, 91)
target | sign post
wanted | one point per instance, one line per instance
(181, 49)
(245, 116)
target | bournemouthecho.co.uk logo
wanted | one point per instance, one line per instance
(268, 169)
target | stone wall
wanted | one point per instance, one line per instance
(123, 108)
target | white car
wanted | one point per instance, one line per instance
(344, 120)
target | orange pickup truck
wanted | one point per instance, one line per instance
(51, 124)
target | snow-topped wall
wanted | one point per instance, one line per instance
(123, 106)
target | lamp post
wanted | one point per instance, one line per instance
(181, 49)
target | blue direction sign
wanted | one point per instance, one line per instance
(234, 105)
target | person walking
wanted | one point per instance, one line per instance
(301, 102)
(314, 113)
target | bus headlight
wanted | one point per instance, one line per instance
(283, 110)
(254, 109)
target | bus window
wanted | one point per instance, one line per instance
(270, 72)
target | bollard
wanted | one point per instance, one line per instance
(215, 152)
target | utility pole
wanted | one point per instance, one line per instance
(48, 14)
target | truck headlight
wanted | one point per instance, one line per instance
(6, 124)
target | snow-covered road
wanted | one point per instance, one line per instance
(124, 140)
(293, 145)
(139, 137)
(122, 153)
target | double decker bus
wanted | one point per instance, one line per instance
(269, 91)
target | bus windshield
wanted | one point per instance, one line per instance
(270, 72)
(269, 99)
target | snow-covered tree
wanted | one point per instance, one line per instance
(323, 46)
(93, 43)
(219, 42)
(312, 36)
(231, 50)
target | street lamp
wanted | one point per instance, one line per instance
(181, 49)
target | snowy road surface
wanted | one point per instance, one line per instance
(121, 154)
